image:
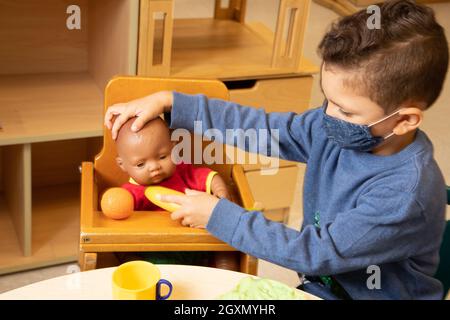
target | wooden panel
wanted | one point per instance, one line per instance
(143, 227)
(94, 146)
(262, 31)
(89, 196)
(273, 191)
(46, 107)
(55, 231)
(243, 188)
(253, 161)
(56, 222)
(234, 11)
(249, 264)
(34, 37)
(58, 162)
(11, 249)
(278, 215)
(112, 39)
(150, 33)
(142, 247)
(274, 95)
(221, 49)
(339, 7)
(277, 95)
(1, 169)
(347, 7)
(365, 3)
(287, 49)
(17, 185)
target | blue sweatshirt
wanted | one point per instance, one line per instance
(359, 209)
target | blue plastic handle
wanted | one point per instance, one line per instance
(158, 289)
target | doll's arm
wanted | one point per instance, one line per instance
(219, 187)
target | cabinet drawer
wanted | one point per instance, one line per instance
(274, 95)
(274, 191)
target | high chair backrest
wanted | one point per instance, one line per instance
(124, 89)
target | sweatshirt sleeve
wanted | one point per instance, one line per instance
(284, 135)
(354, 240)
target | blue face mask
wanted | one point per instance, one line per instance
(350, 135)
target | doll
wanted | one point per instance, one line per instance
(146, 157)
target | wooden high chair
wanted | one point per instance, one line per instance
(148, 230)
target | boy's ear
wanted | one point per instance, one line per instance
(119, 162)
(411, 120)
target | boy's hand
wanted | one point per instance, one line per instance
(196, 207)
(145, 109)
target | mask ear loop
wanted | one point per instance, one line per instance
(388, 136)
(381, 120)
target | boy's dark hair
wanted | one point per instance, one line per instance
(404, 60)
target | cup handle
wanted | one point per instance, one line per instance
(158, 289)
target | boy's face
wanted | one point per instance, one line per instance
(146, 155)
(347, 104)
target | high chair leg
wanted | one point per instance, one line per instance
(87, 261)
(228, 260)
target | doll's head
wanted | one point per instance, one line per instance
(145, 155)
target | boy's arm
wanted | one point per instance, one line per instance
(378, 230)
(288, 134)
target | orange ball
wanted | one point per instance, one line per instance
(117, 203)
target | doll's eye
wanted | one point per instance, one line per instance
(140, 165)
(163, 157)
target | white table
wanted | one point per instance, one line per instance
(189, 282)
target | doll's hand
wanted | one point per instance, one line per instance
(145, 109)
(222, 193)
(219, 188)
(196, 207)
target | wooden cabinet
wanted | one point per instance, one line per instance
(347, 7)
(223, 47)
(51, 95)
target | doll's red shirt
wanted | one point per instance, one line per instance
(185, 176)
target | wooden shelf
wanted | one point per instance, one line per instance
(48, 107)
(52, 80)
(11, 249)
(226, 50)
(55, 234)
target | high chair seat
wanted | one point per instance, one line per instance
(147, 231)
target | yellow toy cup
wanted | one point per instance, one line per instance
(138, 280)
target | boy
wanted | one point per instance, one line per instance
(374, 197)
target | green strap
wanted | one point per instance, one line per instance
(335, 287)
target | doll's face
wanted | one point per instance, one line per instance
(146, 155)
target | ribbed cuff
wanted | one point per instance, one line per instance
(224, 220)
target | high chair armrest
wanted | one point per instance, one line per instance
(243, 188)
(88, 195)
